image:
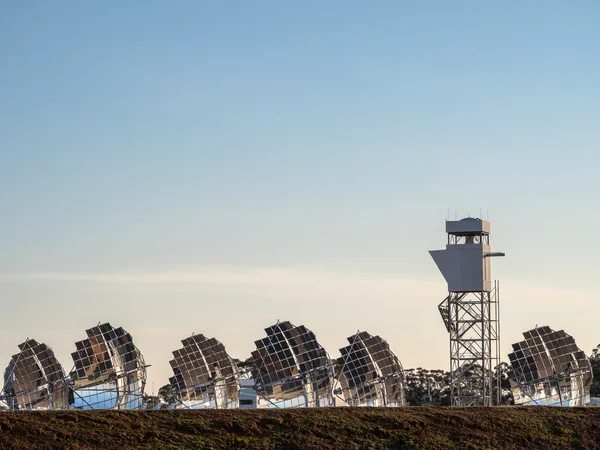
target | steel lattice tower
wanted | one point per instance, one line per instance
(470, 312)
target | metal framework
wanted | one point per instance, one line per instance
(472, 321)
(109, 370)
(549, 369)
(369, 373)
(205, 376)
(471, 313)
(34, 379)
(291, 368)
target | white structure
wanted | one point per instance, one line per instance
(248, 396)
(470, 312)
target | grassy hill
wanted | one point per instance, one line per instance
(410, 428)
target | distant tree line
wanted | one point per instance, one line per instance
(432, 387)
(427, 387)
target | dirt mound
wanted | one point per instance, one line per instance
(402, 428)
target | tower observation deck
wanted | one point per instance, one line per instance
(470, 312)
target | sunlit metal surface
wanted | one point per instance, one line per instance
(292, 369)
(34, 379)
(549, 369)
(369, 373)
(109, 371)
(205, 376)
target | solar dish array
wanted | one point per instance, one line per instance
(291, 368)
(549, 369)
(369, 373)
(205, 376)
(34, 379)
(109, 371)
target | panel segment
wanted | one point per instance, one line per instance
(291, 368)
(205, 376)
(549, 369)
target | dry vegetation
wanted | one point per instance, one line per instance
(410, 428)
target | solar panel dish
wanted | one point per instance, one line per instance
(549, 369)
(35, 379)
(109, 371)
(291, 369)
(369, 373)
(205, 376)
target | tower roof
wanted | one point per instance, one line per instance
(468, 226)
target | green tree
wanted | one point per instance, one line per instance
(595, 360)
(165, 394)
(432, 387)
(245, 367)
(427, 387)
(503, 370)
(151, 401)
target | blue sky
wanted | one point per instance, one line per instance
(211, 167)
